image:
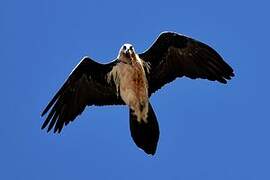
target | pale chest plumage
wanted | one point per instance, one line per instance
(132, 87)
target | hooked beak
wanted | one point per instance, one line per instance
(127, 52)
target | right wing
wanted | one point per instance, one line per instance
(86, 85)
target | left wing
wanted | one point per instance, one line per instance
(86, 85)
(173, 55)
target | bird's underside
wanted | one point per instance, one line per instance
(131, 79)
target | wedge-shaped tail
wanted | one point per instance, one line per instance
(145, 134)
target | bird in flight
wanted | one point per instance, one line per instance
(131, 79)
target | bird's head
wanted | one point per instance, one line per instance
(126, 53)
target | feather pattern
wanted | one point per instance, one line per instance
(86, 85)
(173, 55)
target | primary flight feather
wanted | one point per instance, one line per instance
(131, 79)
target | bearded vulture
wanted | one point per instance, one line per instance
(131, 79)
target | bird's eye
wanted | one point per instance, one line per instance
(131, 47)
(124, 47)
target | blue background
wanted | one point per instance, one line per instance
(208, 130)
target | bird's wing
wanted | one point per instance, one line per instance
(173, 55)
(86, 85)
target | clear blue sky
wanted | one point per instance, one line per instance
(209, 131)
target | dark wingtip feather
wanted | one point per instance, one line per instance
(44, 112)
(51, 103)
(52, 123)
(43, 126)
(58, 129)
(48, 106)
(223, 81)
(46, 122)
(55, 129)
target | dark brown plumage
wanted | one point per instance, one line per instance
(73, 96)
(173, 55)
(90, 83)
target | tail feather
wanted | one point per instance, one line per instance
(145, 133)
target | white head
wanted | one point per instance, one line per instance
(126, 52)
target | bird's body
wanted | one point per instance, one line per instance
(131, 79)
(133, 85)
